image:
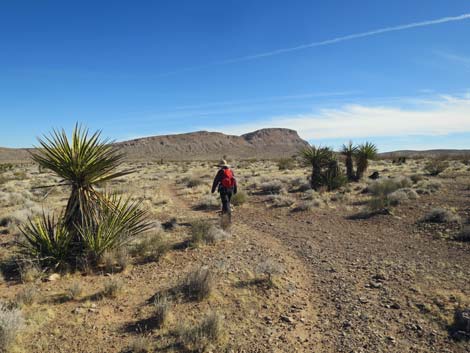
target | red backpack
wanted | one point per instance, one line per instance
(228, 181)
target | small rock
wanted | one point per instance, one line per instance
(53, 277)
(287, 319)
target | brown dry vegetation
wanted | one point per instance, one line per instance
(301, 271)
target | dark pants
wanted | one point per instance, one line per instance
(226, 196)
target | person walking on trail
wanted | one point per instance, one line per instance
(226, 184)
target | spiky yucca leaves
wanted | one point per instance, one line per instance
(47, 240)
(117, 220)
(83, 162)
(364, 153)
(317, 158)
(348, 151)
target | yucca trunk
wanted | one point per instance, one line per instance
(350, 168)
(315, 180)
(362, 165)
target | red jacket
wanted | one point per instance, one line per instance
(218, 179)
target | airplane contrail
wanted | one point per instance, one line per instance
(375, 32)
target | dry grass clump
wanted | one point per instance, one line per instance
(112, 288)
(199, 337)
(307, 205)
(428, 185)
(310, 195)
(387, 186)
(239, 198)
(441, 215)
(11, 324)
(141, 344)
(74, 291)
(198, 284)
(271, 187)
(193, 182)
(286, 164)
(280, 200)
(436, 167)
(402, 195)
(29, 272)
(26, 296)
(161, 308)
(269, 268)
(208, 202)
(204, 232)
(150, 247)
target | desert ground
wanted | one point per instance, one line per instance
(297, 271)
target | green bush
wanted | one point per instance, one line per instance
(239, 198)
(286, 164)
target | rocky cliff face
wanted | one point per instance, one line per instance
(201, 145)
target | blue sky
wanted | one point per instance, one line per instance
(393, 72)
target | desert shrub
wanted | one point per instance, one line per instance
(271, 187)
(11, 324)
(208, 202)
(286, 164)
(310, 195)
(140, 344)
(387, 186)
(402, 195)
(29, 271)
(431, 185)
(197, 338)
(307, 205)
(463, 235)
(239, 198)
(150, 247)
(415, 178)
(112, 288)
(26, 296)
(198, 284)
(441, 215)
(281, 200)
(203, 231)
(436, 167)
(74, 291)
(269, 268)
(193, 182)
(161, 308)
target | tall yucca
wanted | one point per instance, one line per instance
(318, 158)
(364, 153)
(348, 151)
(82, 163)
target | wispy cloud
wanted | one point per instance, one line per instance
(330, 41)
(444, 115)
(455, 58)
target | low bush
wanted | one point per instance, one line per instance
(402, 195)
(198, 284)
(150, 247)
(239, 198)
(26, 296)
(286, 164)
(141, 344)
(269, 268)
(112, 288)
(281, 200)
(436, 167)
(11, 324)
(307, 206)
(271, 187)
(208, 202)
(74, 291)
(387, 186)
(441, 215)
(197, 338)
(161, 308)
(204, 232)
(193, 182)
(463, 235)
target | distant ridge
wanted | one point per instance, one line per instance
(427, 153)
(200, 145)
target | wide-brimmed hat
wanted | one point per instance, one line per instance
(223, 163)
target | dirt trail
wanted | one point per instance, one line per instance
(287, 318)
(377, 280)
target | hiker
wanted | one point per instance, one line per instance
(226, 185)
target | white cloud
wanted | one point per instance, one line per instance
(441, 116)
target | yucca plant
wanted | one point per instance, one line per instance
(317, 158)
(364, 153)
(348, 151)
(82, 163)
(116, 222)
(93, 222)
(47, 240)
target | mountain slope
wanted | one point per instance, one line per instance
(201, 145)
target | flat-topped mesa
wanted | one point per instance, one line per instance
(205, 145)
